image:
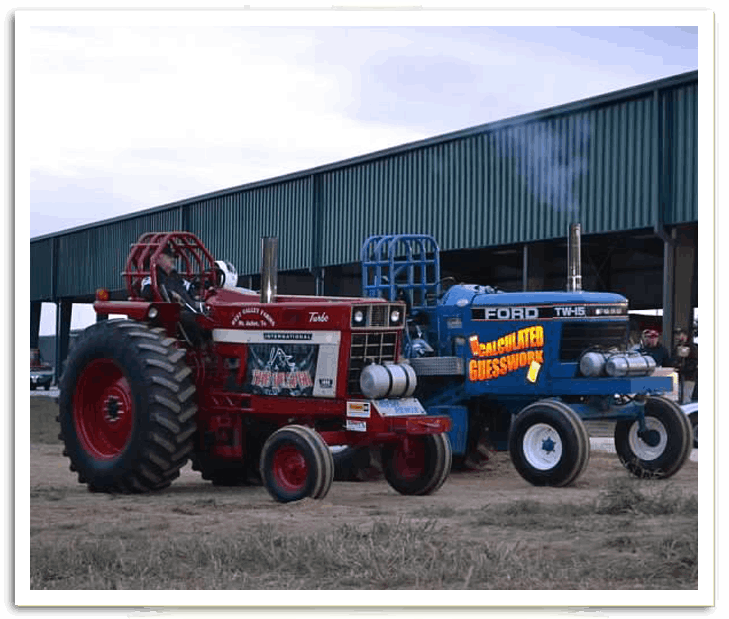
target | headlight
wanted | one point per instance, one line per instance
(395, 316)
(358, 317)
(152, 313)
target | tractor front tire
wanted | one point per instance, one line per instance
(296, 463)
(417, 465)
(126, 408)
(665, 446)
(548, 444)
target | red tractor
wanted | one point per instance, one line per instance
(249, 386)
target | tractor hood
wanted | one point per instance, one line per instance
(464, 295)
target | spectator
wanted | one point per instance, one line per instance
(650, 344)
(686, 360)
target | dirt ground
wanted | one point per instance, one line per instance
(60, 507)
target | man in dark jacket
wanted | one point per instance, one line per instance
(175, 288)
(686, 360)
(650, 344)
(172, 286)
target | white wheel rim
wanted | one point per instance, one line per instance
(642, 449)
(542, 446)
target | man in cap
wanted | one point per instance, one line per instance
(650, 344)
(172, 286)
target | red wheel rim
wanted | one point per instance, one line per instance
(289, 468)
(409, 459)
(103, 410)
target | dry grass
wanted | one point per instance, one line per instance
(636, 534)
(43, 425)
(408, 554)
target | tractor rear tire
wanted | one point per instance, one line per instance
(126, 408)
(418, 465)
(548, 444)
(666, 447)
(296, 463)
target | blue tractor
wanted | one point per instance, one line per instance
(524, 371)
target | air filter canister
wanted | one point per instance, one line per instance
(393, 380)
(592, 363)
(630, 365)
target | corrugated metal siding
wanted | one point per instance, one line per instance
(615, 191)
(681, 105)
(432, 191)
(231, 225)
(94, 258)
(615, 162)
(515, 184)
(41, 270)
(525, 181)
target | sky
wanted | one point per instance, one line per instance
(120, 115)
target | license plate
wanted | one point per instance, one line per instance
(399, 408)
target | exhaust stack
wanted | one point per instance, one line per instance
(574, 260)
(269, 269)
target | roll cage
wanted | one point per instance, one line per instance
(193, 262)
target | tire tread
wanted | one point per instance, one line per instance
(157, 372)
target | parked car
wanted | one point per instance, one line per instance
(41, 378)
(41, 374)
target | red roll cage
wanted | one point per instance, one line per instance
(192, 259)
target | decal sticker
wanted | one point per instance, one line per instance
(252, 316)
(533, 372)
(356, 426)
(318, 317)
(282, 370)
(284, 336)
(570, 310)
(358, 409)
(506, 354)
(243, 336)
(510, 313)
(549, 312)
(286, 362)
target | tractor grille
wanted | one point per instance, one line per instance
(368, 348)
(579, 336)
(378, 318)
